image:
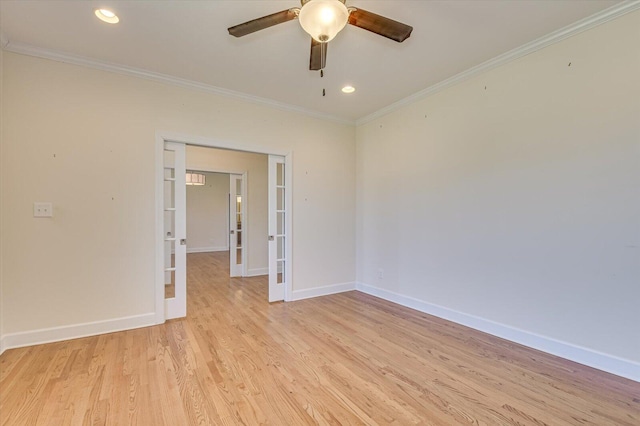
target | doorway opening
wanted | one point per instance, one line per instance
(176, 155)
(216, 215)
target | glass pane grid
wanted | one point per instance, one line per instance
(169, 175)
(280, 223)
(280, 174)
(280, 272)
(170, 287)
(280, 199)
(172, 259)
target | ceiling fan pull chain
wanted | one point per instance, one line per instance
(321, 73)
(324, 93)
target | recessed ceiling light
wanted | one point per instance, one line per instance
(348, 89)
(107, 16)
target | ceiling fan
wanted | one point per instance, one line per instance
(323, 19)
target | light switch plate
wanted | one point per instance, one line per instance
(42, 209)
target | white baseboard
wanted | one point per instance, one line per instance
(75, 331)
(322, 291)
(255, 272)
(601, 361)
(206, 249)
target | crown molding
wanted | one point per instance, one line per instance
(30, 50)
(585, 24)
(599, 18)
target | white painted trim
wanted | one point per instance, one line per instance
(601, 361)
(323, 291)
(39, 52)
(218, 143)
(288, 182)
(256, 272)
(577, 27)
(206, 249)
(75, 331)
(159, 225)
(245, 217)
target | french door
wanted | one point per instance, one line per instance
(171, 254)
(237, 225)
(278, 234)
(175, 230)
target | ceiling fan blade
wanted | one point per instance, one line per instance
(262, 23)
(380, 25)
(318, 58)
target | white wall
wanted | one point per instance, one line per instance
(257, 167)
(1, 210)
(84, 139)
(514, 197)
(208, 214)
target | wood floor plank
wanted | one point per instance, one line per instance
(343, 359)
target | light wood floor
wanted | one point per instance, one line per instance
(342, 359)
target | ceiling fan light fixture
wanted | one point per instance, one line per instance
(323, 19)
(107, 16)
(348, 89)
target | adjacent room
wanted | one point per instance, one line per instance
(320, 212)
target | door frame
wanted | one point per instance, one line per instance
(162, 137)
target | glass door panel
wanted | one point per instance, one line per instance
(277, 228)
(237, 225)
(174, 227)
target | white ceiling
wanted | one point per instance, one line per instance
(189, 40)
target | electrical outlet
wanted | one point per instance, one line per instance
(42, 210)
(380, 273)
